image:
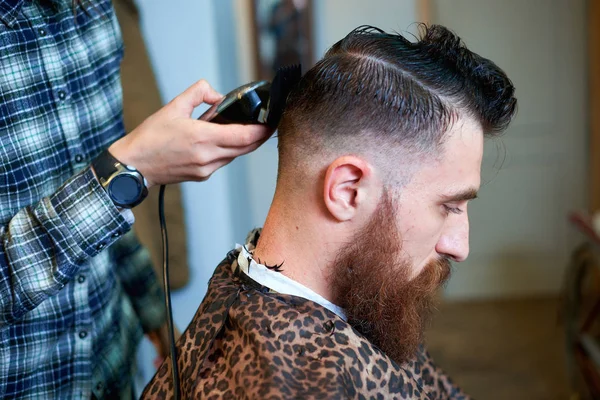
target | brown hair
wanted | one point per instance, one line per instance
(380, 89)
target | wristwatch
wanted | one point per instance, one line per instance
(125, 185)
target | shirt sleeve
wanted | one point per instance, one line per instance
(44, 245)
(135, 270)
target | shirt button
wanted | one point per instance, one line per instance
(82, 334)
(116, 235)
(62, 94)
(81, 279)
(42, 32)
(100, 246)
(78, 158)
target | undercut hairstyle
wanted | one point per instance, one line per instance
(380, 90)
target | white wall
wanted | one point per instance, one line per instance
(336, 18)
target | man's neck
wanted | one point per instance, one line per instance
(299, 244)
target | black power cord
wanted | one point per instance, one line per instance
(165, 244)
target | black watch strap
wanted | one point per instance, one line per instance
(105, 165)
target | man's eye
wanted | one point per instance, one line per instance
(453, 210)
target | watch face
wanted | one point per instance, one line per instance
(125, 189)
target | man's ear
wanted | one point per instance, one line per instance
(349, 185)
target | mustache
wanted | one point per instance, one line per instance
(443, 267)
(435, 274)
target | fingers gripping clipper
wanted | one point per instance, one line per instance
(259, 102)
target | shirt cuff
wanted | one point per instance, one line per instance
(87, 214)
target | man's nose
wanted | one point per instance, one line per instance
(454, 241)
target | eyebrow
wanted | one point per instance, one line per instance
(463, 195)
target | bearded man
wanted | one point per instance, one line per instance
(380, 151)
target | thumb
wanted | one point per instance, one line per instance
(200, 92)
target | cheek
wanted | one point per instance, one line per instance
(420, 230)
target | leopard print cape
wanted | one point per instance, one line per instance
(246, 342)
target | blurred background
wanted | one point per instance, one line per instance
(502, 331)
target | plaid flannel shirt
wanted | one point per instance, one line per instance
(73, 305)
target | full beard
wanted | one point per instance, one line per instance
(375, 286)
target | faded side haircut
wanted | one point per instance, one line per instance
(380, 90)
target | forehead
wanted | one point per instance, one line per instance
(457, 165)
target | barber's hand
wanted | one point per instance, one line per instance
(171, 147)
(160, 340)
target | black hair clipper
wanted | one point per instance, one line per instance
(259, 102)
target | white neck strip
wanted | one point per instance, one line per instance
(280, 283)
